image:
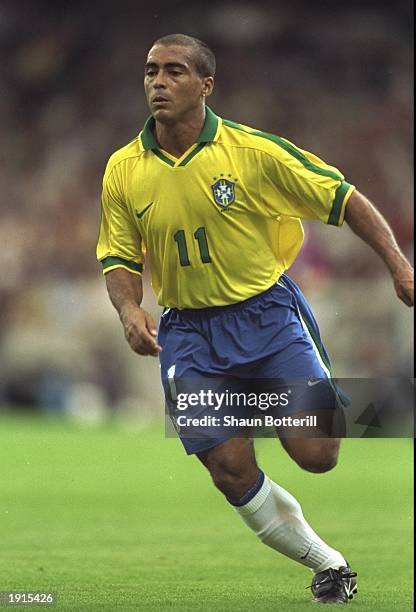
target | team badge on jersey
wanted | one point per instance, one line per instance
(224, 193)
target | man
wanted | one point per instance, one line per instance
(217, 208)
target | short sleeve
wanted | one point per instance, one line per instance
(297, 183)
(119, 242)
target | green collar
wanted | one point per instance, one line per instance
(207, 135)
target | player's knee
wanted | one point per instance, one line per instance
(231, 481)
(225, 482)
(232, 466)
(318, 463)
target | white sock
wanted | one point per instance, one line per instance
(276, 518)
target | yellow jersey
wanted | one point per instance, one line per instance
(221, 223)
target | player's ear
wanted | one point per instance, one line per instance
(207, 86)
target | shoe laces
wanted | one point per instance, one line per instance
(336, 576)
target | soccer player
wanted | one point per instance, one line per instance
(216, 208)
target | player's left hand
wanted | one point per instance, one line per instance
(404, 284)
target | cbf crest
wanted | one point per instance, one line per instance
(224, 192)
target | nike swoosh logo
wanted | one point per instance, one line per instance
(312, 383)
(141, 213)
(308, 551)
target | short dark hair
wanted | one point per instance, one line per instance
(205, 63)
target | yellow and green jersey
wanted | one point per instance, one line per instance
(221, 223)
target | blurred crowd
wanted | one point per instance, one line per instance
(334, 79)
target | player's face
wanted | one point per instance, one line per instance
(173, 86)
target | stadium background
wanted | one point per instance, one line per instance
(335, 78)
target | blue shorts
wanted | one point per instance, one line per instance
(264, 341)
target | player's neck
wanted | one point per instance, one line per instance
(178, 137)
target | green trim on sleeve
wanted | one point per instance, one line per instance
(111, 262)
(335, 216)
(297, 154)
(289, 148)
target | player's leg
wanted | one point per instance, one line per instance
(304, 364)
(233, 467)
(279, 521)
(268, 509)
(316, 455)
(313, 454)
(188, 369)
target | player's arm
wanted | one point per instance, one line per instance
(119, 249)
(370, 225)
(126, 293)
(314, 190)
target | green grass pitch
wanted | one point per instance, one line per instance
(111, 519)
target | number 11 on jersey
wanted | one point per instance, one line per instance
(201, 237)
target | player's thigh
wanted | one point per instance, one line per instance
(195, 389)
(185, 351)
(185, 364)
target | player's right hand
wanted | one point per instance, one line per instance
(403, 279)
(140, 331)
